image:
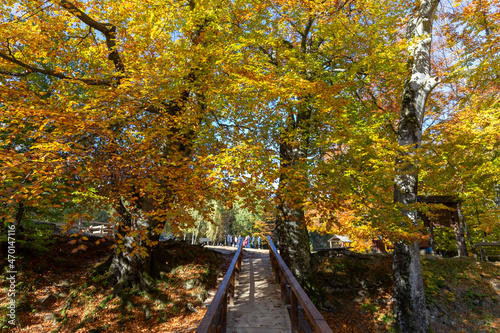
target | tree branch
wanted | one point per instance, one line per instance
(107, 29)
(33, 69)
(15, 74)
(305, 35)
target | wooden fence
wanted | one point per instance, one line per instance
(216, 315)
(292, 292)
(92, 227)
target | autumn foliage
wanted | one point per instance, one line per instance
(155, 108)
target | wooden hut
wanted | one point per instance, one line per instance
(339, 241)
(447, 216)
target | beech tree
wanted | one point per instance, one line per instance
(409, 297)
(123, 107)
(313, 68)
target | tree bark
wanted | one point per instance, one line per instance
(466, 229)
(294, 242)
(409, 289)
(409, 298)
(130, 269)
(18, 218)
(290, 222)
(459, 236)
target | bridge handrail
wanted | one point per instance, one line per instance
(216, 314)
(296, 293)
(95, 227)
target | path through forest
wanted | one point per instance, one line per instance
(257, 307)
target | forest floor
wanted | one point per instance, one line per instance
(57, 292)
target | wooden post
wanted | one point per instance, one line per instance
(223, 314)
(238, 267)
(231, 290)
(294, 315)
(283, 288)
(276, 271)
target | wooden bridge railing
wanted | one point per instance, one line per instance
(94, 227)
(291, 291)
(216, 314)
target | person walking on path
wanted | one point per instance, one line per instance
(258, 242)
(253, 242)
(235, 241)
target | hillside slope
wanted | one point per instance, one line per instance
(462, 295)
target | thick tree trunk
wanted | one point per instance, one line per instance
(131, 271)
(409, 295)
(409, 298)
(294, 242)
(290, 223)
(130, 268)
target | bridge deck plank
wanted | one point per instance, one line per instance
(258, 305)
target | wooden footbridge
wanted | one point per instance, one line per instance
(259, 294)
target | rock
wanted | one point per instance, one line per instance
(63, 284)
(46, 301)
(191, 307)
(51, 317)
(475, 301)
(190, 284)
(147, 311)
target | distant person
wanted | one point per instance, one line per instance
(245, 242)
(253, 242)
(240, 239)
(229, 240)
(258, 242)
(235, 241)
